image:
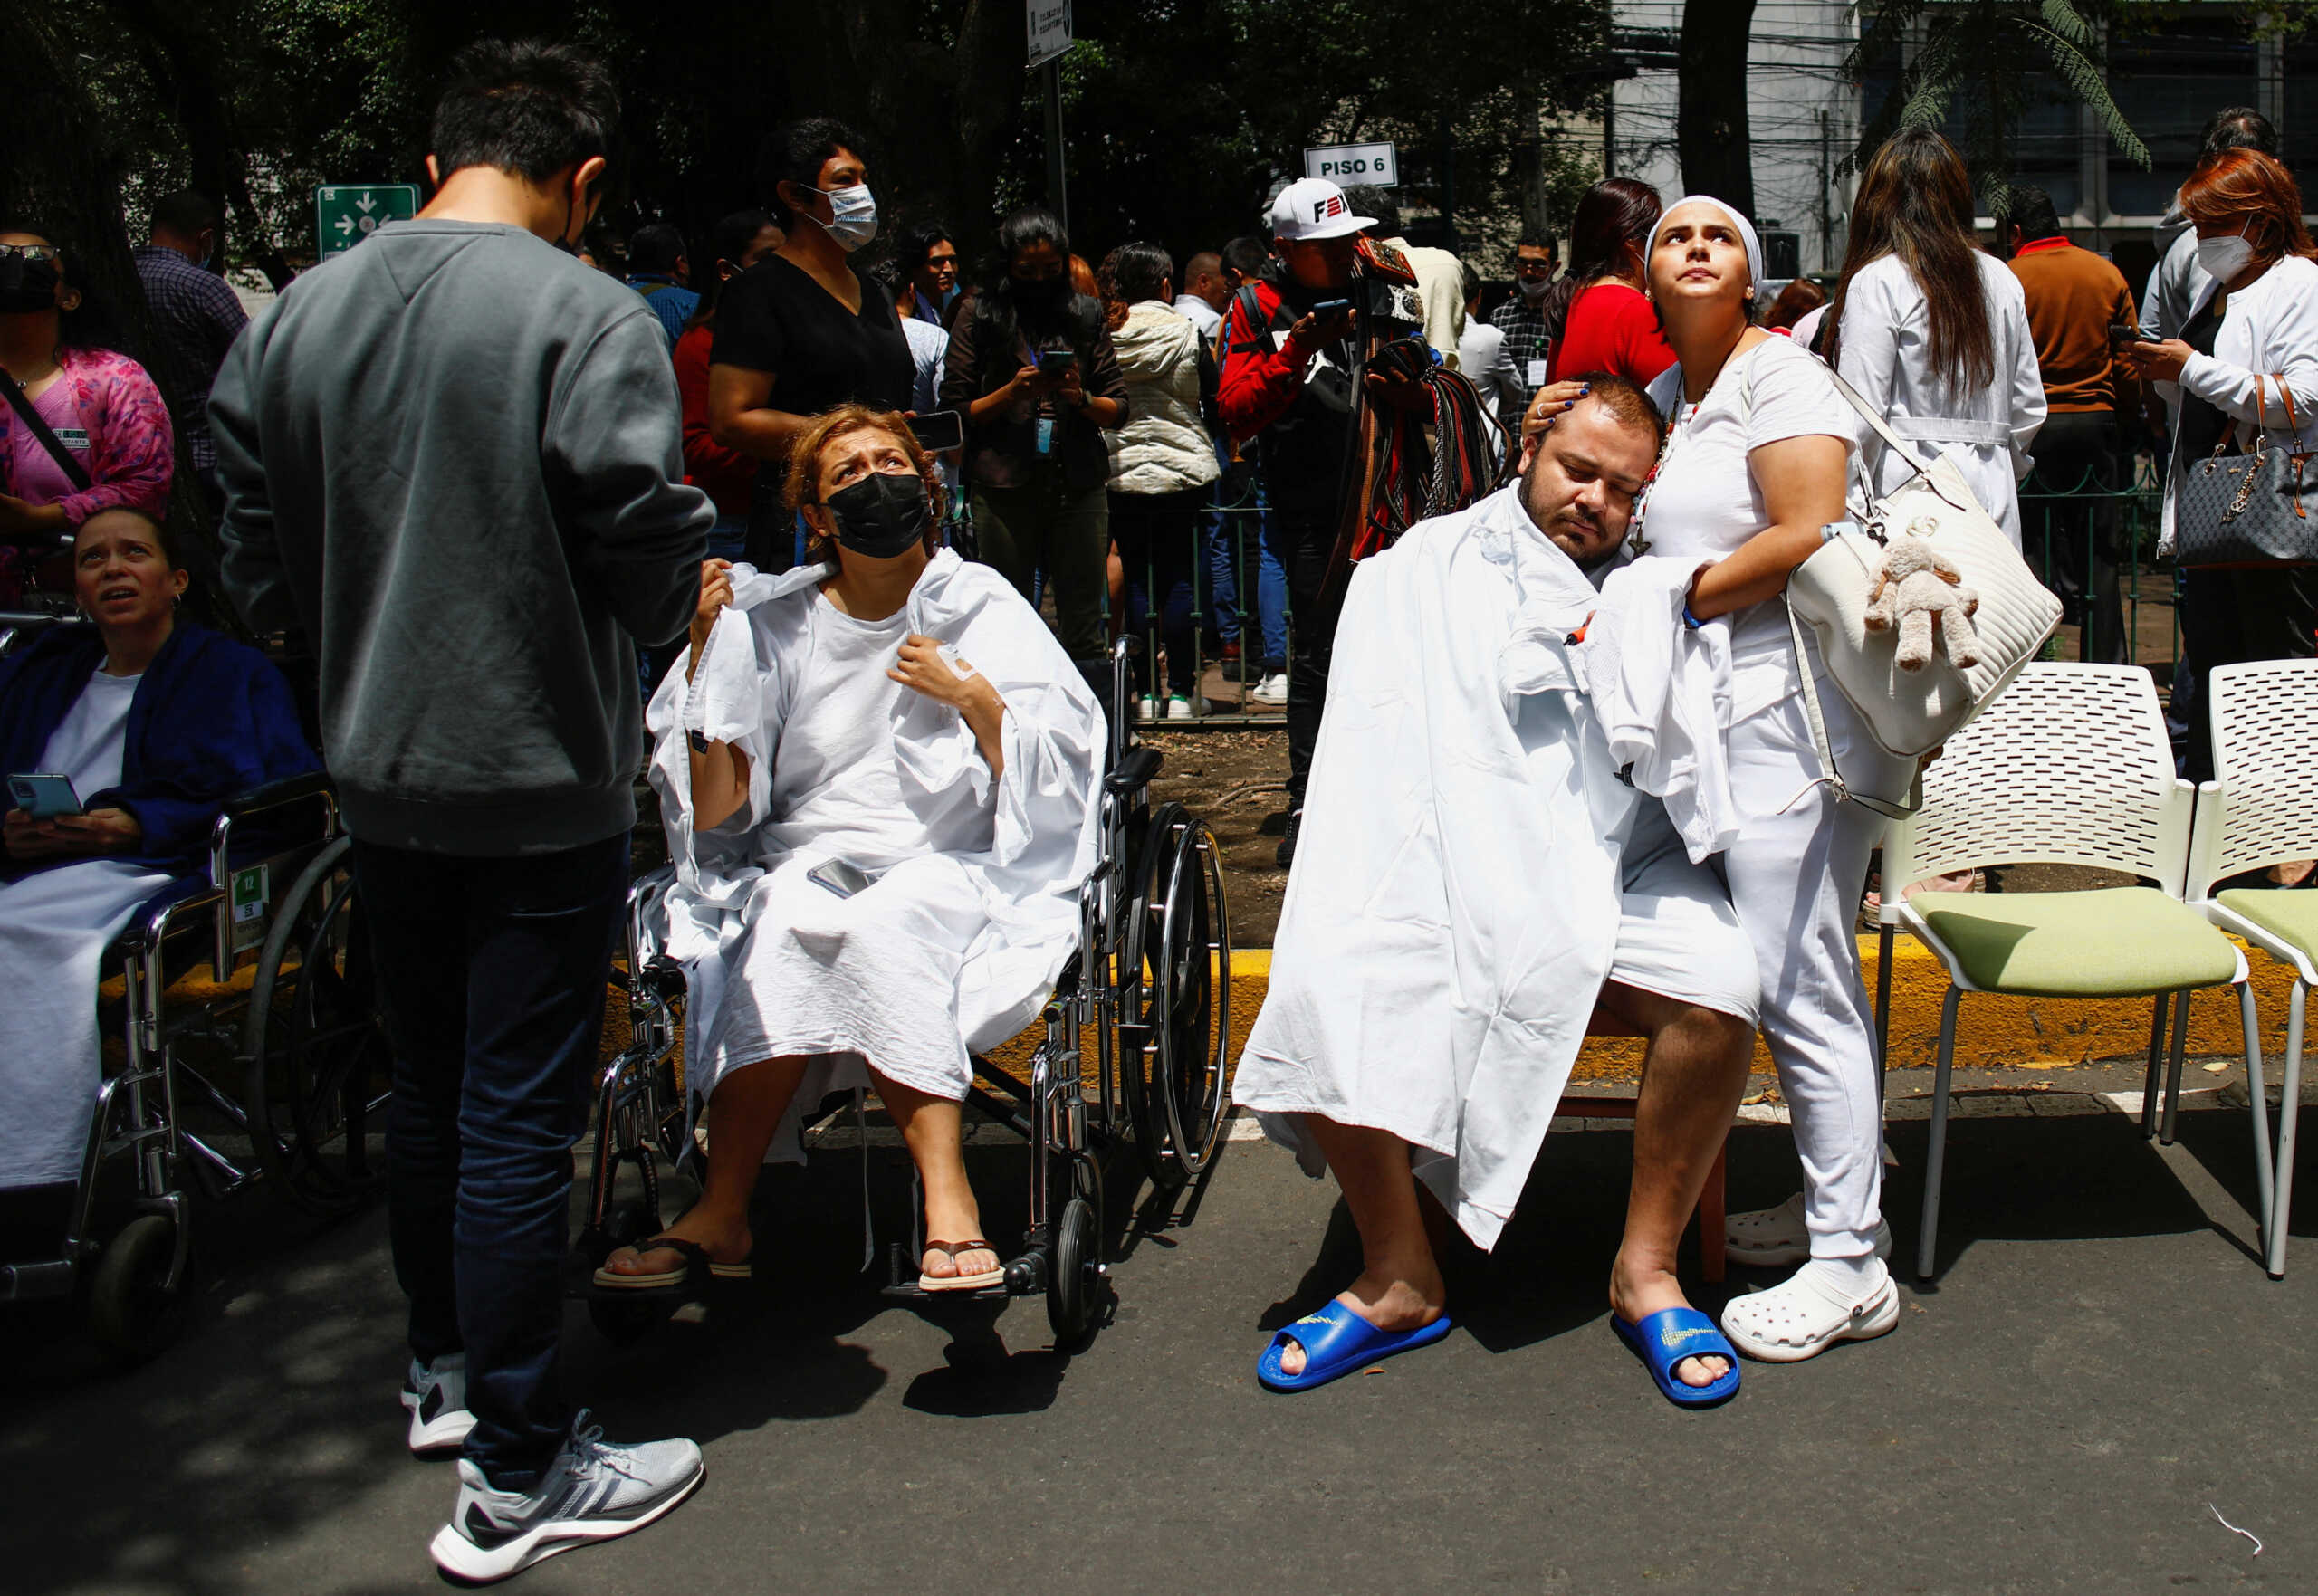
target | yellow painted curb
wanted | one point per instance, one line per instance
(1990, 1032)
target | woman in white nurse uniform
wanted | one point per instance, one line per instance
(1755, 464)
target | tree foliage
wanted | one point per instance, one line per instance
(1971, 67)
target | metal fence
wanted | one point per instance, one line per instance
(2069, 533)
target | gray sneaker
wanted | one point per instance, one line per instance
(593, 1491)
(436, 1397)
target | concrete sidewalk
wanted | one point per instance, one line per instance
(2100, 1359)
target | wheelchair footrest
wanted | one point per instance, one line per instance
(24, 1283)
(1024, 1277)
(912, 1291)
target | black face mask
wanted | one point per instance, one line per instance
(26, 287)
(882, 515)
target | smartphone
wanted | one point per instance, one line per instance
(2120, 335)
(1330, 307)
(1057, 359)
(838, 876)
(44, 797)
(937, 430)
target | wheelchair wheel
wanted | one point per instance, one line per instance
(315, 1052)
(132, 1313)
(1076, 1273)
(1131, 1046)
(1190, 964)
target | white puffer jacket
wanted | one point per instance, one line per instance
(1163, 448)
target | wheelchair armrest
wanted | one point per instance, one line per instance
(314, 787)
(274, 794)
(1136, 771)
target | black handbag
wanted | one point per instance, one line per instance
(2249, 510)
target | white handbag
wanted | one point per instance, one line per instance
(1908, 713)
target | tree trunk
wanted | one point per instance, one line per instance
(1711, 123)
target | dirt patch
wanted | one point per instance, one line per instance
(1236, 781)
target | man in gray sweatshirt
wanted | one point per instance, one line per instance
(452, 461)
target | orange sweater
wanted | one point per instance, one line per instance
(2073, 297)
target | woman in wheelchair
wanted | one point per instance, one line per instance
(878, 776)
(120, 741)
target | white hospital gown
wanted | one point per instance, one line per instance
(974, 906)
(54, 927)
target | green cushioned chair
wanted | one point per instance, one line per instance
(2070, 765)
(2261, 810)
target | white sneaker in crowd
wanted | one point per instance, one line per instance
(436, 1397)
(1180, 709)
(1272, 690)
(593, 1491)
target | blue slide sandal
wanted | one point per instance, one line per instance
(1663, 1339)
(1336, 1341)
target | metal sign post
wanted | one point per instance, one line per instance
(345, 214)
(1050, 34)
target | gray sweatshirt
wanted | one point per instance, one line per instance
(452, 458)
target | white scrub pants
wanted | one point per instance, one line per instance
(1796, 873)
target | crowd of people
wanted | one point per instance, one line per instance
(825, 503)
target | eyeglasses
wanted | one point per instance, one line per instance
(1533, 269)
(30, 252)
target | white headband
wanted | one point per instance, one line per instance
(1746, 233)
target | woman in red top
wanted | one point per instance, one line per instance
(726, 475)
(1596, 315)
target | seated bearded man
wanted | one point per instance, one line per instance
(1475, 875)
(878, 775)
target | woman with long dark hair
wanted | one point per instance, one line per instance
(1032, 369)
(1933, 330)
(1596, 314)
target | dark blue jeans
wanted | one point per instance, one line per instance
(494, 972)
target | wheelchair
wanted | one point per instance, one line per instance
(1151, 979)
(251, 1055)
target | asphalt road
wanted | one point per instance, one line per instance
(2101, 1359)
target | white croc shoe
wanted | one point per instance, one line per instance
(1775, 1238)
(1803, 1317)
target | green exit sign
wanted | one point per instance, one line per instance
(345, 214)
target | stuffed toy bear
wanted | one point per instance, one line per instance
(1916, 585)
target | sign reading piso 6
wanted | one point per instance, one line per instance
(1353, 163)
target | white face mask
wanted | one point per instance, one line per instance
(2225, 258)
(1533, 289)
(853, 215)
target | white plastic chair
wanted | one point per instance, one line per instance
(2071, 766)
(2261, 810)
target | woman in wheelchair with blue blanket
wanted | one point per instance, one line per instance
(121, 741)
(878, 776)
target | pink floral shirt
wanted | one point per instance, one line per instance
(132, 449)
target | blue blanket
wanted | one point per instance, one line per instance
(211, 719)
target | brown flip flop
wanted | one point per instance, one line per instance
(962, 1282)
